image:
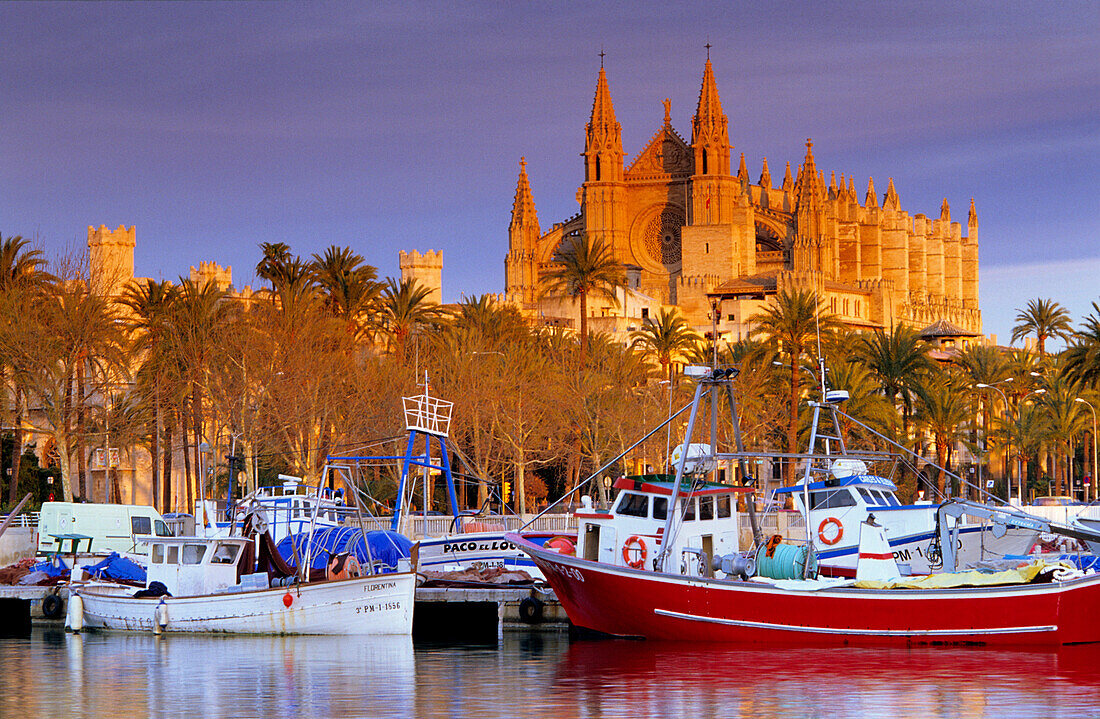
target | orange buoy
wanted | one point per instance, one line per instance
(288, 599)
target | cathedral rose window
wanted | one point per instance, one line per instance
(662, 237)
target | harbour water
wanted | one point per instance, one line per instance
(51, 674)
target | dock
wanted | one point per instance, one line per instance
(441, 613)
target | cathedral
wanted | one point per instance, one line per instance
(694, 233)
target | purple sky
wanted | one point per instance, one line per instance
(214, 127)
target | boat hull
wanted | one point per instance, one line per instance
(637, 603)
(380, 604)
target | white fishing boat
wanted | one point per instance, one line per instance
(219, 584)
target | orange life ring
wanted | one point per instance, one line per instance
(821, 530)
(634, 552)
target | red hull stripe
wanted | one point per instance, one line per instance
(868, 555)
(869, 632)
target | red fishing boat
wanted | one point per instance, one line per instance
(688, 590)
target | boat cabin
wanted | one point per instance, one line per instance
(630, 533)
(847, 495)
(190, 566)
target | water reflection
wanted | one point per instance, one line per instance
(673, 680)
(120, 675)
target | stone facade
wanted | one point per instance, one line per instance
(696, 234)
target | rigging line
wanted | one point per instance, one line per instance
(609, 464)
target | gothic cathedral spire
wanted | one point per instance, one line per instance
(710, 130)
(603, 141)
(521, 265)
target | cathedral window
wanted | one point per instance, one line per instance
(597, 168)
(704, 162)
(706, 248)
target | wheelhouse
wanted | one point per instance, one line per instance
(630, 533)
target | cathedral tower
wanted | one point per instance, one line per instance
(720, 237)
(602, 202)
(426, 269)
(521, 266)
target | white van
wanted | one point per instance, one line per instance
(112, 527)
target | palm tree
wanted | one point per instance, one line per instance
(348, 285)
(1023, 431)
(791, 326)
(1044, 319)
(667, 336)
(899, 361)
(281, 268)
(582, 268)
(984, 364)
(1082, 356)
(404, 308)
(193, 323)
(1065, 419)
(151, 305)
(22, 278)
(943, 411)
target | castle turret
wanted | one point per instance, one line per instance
(222, 277)
(110, 259)
(426, 269)
(521, 264)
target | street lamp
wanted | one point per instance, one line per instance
(1085, 401)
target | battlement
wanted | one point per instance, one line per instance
(705, 282)
(431, 258)
(222, 277)
(126, 236)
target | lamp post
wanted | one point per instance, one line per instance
(985, 430)
(1085, 401)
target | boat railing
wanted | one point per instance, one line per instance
(419, 526)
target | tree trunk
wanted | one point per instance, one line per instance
(584, 328)
(166, 477)
(188, 491)
(87, 482)
(196, 418)
(521, 493)
(155, 489)
(17, 447)
(61, 439)
(941, 454)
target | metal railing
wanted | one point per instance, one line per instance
(419, 526)
(26, 519)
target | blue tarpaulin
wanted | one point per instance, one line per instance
(47, 566)
(116, 568)
(386, 547)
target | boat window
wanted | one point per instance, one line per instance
(706, 508)
(192, 553)
(660, 508)
(173, 554)
(634, 505)
(867, 496)
(158, 554)
(161, 529)
(894, 502)
(832, 498)
(724, 507)
(688, 510)
(224, 554)
(141, 525)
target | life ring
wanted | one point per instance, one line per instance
(821, 531)
(634, 552)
